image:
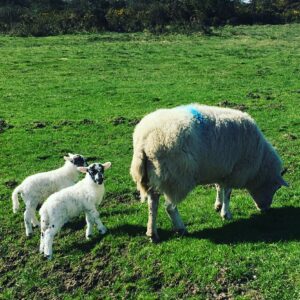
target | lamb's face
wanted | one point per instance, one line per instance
(78, 160)
(96, 171)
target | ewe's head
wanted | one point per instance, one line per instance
(96, 171)
(263, 195)
(76, 159)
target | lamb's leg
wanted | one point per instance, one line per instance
(174, 215)
(89, 226)
(42, 243)
(48, 240)
(94, 216)
(27, 221)
(153, 199)
(34, 221)
(225, 212)
(219, 200)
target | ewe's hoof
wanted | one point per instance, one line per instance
(218, 207)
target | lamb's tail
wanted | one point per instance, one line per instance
(138, 171)
(15, 200)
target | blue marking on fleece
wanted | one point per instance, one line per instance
(194, 112)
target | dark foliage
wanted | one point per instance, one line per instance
(50, 17)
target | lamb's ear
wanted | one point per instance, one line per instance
(82, 169)
(70, 154)
(67, 158)
(106, 165)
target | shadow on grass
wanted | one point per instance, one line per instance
(278, 224)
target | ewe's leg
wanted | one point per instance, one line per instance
(94, 217)
(225, 212)
(89, 226)
(219, 200)
(174, 215)
(153, 199)
(27, 220)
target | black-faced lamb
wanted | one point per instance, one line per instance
(36, 188)
(179, 148)
(68, 203)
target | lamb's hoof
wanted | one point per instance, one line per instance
(181, 232)
(29, 235)
(103, 230)
(47, 257)
(226, 216)
(218, 207)
(154, 239)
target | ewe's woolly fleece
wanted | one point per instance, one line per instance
(174, 150)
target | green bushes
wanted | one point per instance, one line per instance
(46, 17)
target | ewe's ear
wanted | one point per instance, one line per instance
(106, 165)
(82, 169)
(67, 158)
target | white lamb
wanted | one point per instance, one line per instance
(177, 149)
(68, 203)
(36, 188)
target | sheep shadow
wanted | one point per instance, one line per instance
(276, 225)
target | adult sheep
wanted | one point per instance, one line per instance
(179, 148)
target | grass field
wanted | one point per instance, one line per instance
(84, 94)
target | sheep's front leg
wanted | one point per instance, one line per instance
(225, 212)
(89, 226)
(153, 199)
(174, 215)
(42, 243)
(94, 216)
(219, 200)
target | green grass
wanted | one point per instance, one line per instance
(83, 94)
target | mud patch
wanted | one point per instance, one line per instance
(227, 103)
(226, 287)
(122, 120)
(4, 125)
(86, 122)
(11, 184)
(38, 125)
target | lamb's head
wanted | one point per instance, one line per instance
(76, 159)
(96, 171)
(263, 195)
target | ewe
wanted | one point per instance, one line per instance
(177, 149)
(68, 203)
(38, 187)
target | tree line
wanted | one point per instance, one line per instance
(50, 17)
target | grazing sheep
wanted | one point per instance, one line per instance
(38, 187)
(68, 203)
(177, 149)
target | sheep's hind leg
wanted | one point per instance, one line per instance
(27, 221)
(89, 226)
(48, 240)
(225, 212)
(34, 221)
(153, 199)
(174, 215)
(219, 200)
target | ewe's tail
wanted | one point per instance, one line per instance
(138, 171)
(15, 200)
